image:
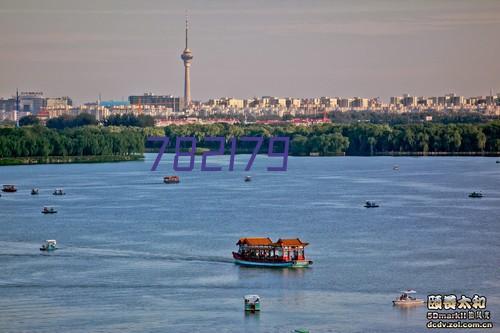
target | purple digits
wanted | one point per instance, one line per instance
(205, 155)
(165, 140)
(284, 154)
(220, 151)
(259, 141)
(189, 153)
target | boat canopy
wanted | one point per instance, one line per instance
(51, 241)
(255, 241)
(252, 298)
(410, 291)
(291, 242)
(295, 242)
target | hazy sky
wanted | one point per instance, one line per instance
(250, 48)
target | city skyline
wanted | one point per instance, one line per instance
(244, 50)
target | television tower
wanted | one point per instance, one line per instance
(187, 56)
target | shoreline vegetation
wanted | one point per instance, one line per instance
(80, 140)
(69, 159)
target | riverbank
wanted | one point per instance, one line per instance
(69, 159)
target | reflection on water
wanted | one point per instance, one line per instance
(137, 255)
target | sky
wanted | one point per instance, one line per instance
(244, 49)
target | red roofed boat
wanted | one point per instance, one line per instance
(263, 252)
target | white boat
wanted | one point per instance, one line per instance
(59, 191)
(252, 303)
(49, 245)
(406, 300)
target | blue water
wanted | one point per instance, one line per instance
(137, 255)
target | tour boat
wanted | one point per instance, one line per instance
(475, 195)
(9, 188)
(252, 303)
(171, 179)
(406, 300)
(59, 191)
(248, 178)
(49, 245)
(371, 204)
(263, 252)
(34, 191)
(49, 210)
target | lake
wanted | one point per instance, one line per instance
(137, 255)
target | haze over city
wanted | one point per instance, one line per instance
(245, 49)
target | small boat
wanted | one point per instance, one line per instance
(248, 178)
(498, 161)
(9, 188)
(406, 300)
(300, 330)
(252, 303)
(371, 204)
(263, 252)
(171, 179)
(475, 195)
(59, 191)
(49, 245)
(34, 191)
(395, 167)
(49, 210)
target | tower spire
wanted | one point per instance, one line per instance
(186, 30)
(187, 57)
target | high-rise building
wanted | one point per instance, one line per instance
(187, 56)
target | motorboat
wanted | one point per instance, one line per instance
(9, 188)
(171, 179)
(59, 191)
(49, 245)
(34, 191)
(252, 303)
(395, 167)
(263, 252)
(406, 300)
(49, 210)
(371, 204)
(248, 178)
(475, 195)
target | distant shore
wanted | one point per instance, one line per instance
(69, 159)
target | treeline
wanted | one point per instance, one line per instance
(81, 141)
(359, 138)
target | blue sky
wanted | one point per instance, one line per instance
(250, 48)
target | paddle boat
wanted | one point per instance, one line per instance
(171, 179)
(49, 245)
(263, 252)
(59, 191)
(9, 188)
(34, 191)
(406, 300)
(475, 195)
(371, 204)
(252, 303)
(248, 178)
(49, 210)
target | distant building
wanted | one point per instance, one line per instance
(7, 104)
(361, 103)
(168, 101)
(31, 102)
(58, 102)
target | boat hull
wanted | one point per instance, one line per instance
(276, 264)
(415, 302)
